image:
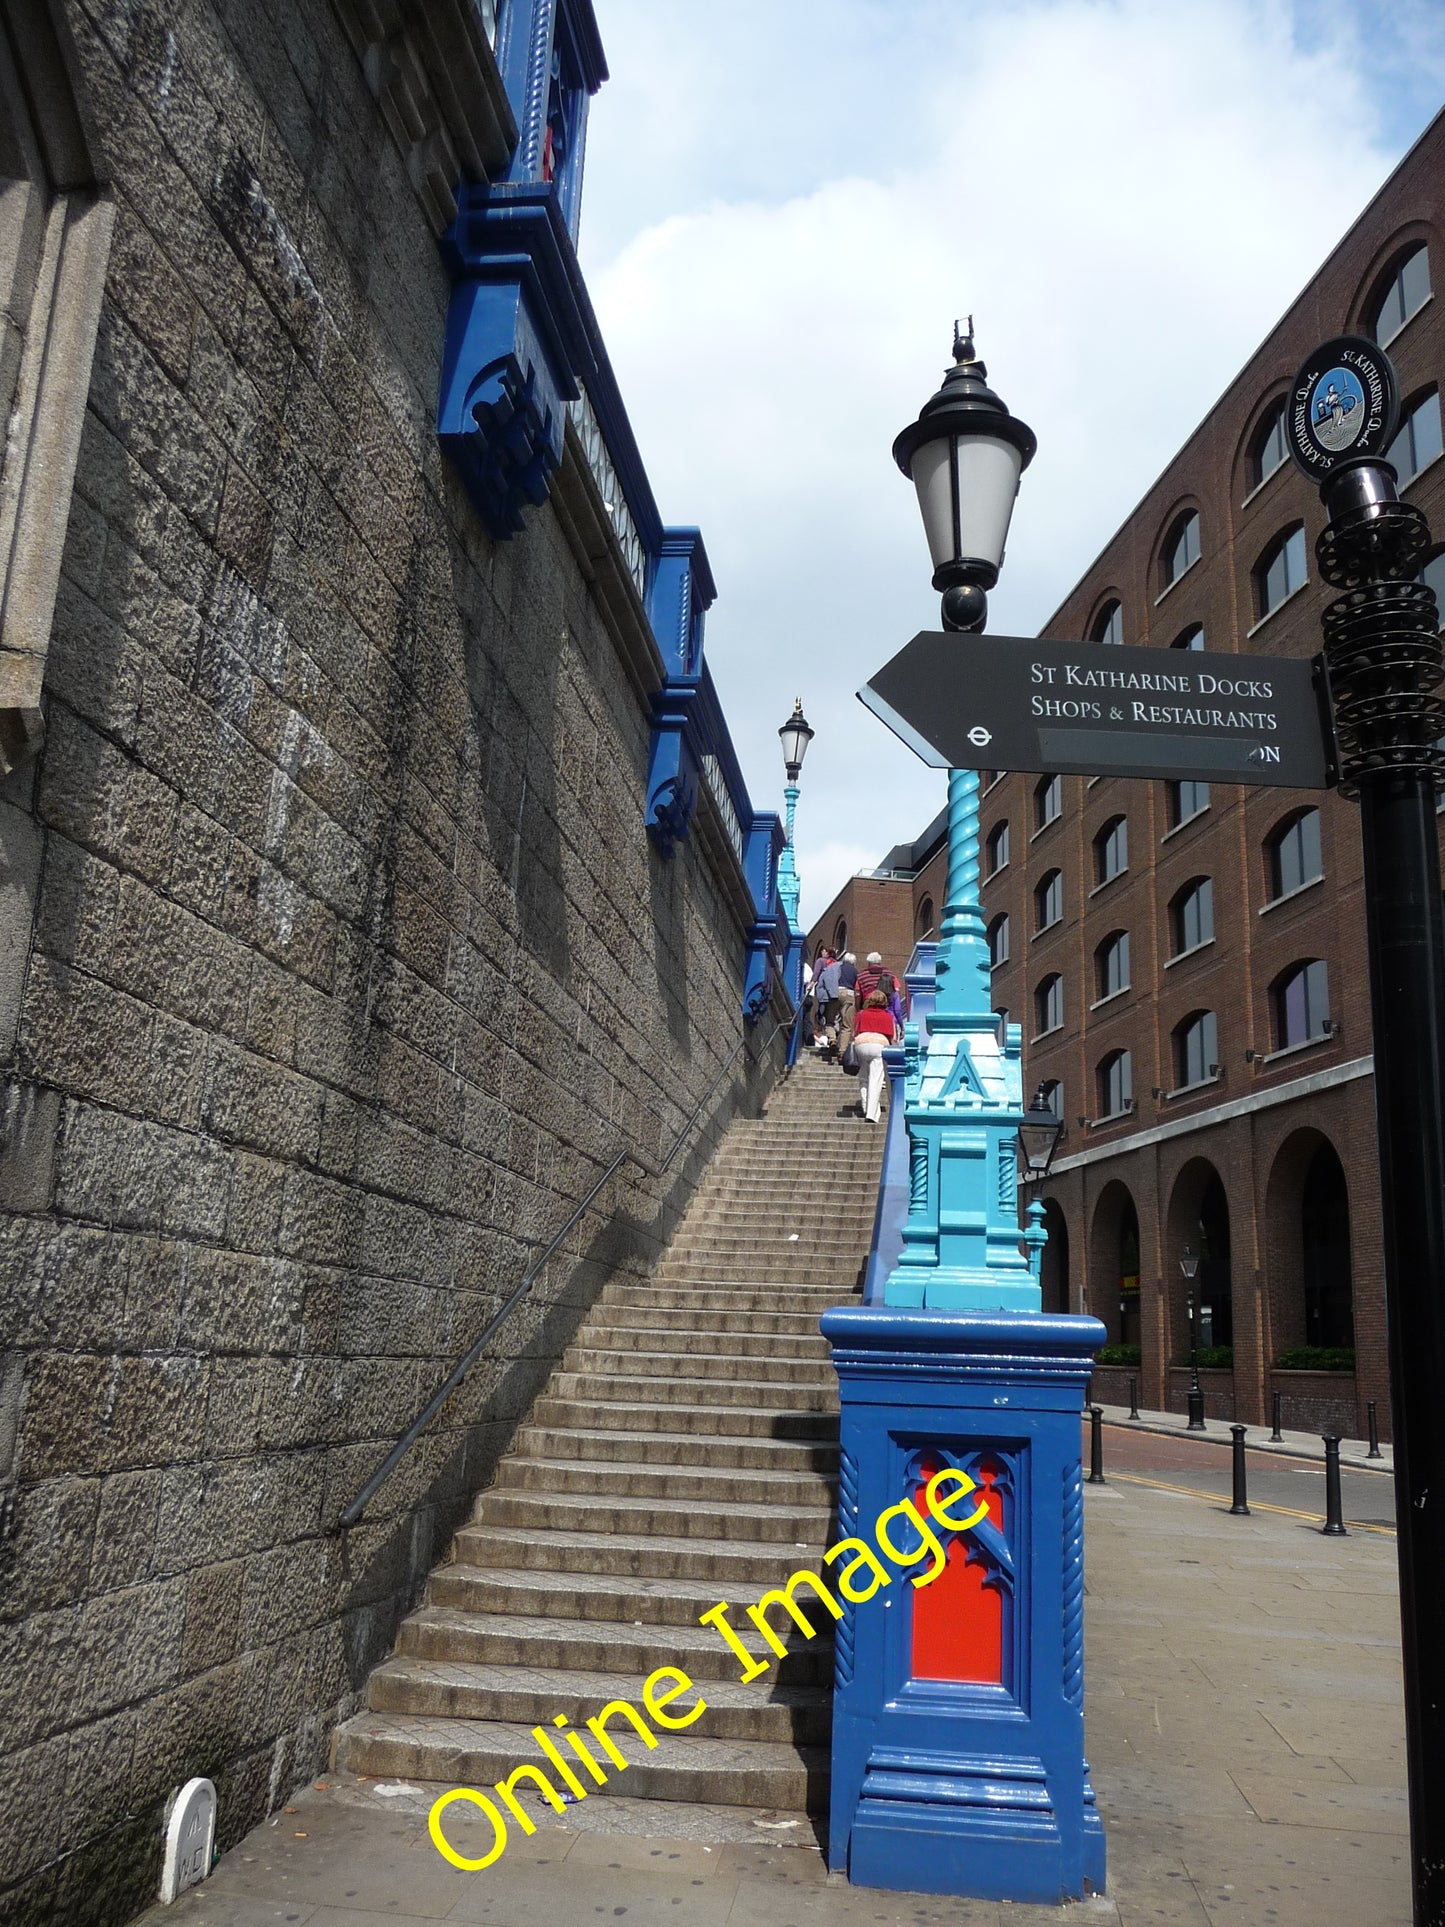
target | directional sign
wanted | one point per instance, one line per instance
(1092, 709)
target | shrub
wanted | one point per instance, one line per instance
(1216, 1358)
(1317, 1358)
(1131, 1355)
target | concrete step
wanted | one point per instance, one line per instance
(734, 1455)
(609, 1598)
(542, 1640)
(730, 1562)
(634, 1387)
(746, 1773)
(531, 1696)
(681, 1294)
(774, 1247)
(767, 1525)
(758, 1368)
(633, 1414)
(711, 1486)
(841, 1277)
(807, 1347)
(691, 1323)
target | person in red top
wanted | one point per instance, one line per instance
(873, 1031)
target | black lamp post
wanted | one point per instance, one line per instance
(964, 455)
(1189, 1265)
(1039, 1135)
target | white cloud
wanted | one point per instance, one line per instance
(795, 204)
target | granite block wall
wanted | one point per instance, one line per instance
(335, 964)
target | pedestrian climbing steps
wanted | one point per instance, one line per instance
(684, 1452)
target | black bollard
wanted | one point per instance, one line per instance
(1374, 1451)
(1241, 1500)
(1334, 1524)
(1133, 1397)
(1096, 1445)
(1276, 1437)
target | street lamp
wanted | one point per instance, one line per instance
(1189, 1265)
(1039, 1135)
(964, 455)
(795, 736)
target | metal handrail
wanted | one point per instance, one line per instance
(469, 1358)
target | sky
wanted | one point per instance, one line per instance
(787, 204)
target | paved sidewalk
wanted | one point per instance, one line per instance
(1244, 1727)
(1295, 1445)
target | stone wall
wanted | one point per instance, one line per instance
(337, 960)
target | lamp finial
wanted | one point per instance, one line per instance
(963, 349)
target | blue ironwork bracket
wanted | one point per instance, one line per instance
(673, 764)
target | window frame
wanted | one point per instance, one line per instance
(1272, 426)
(1278, 992)
(1274, 843)
(996, 840)
(1047, 882)
(1104, 838)
(998, 926)
(1104, 1082)
(1174, 789)
(1048, 1004)
(1391, 278)
(1279, 547)
(1048, 789)
(1413, 408)
(1198, 1025)
(1186, 893)
(1110, 617)
(1105, 953)
(1184, 525)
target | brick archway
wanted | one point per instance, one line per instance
(1114, 1243)
(1054, 1276)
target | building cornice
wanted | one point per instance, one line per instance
(1265, 1100)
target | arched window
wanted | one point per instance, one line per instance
(1270, 445)
(1402, 292)
(1186, 800)
(1181, 547)
(1418, 441)
(998, 940)
(1111, 849)
(1048, 801)
(1049, 900)
(1292, 853)
(996, 848)
(1196, 1049)
(1111, 965)
(1108, 624)
(840, 936)
(1301, 1001)
(1192, 638)
(1280, 571)
(1115, 1080)
(1049, 1005)
(923, 922)
(1191, 916)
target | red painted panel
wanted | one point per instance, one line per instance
(957, 1622)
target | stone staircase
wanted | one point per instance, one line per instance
(684, 1452)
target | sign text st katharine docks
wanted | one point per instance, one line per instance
(1096, 709)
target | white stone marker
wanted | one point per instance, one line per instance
(190, 1835)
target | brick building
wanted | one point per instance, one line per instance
(376, 865)
(1187, 961)
(892, 908)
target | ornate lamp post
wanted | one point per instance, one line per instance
(795, 736)
(958, 1755)
(1189, 1266)
(964, 455)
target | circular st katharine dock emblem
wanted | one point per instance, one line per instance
(1342, 406)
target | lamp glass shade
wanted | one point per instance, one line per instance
(1039, 1136)
(795, 736)
(1189, 1262)
(966, 489)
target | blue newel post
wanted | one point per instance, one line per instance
(789, 888)
(958, 1725)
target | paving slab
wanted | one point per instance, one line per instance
(1244, 1728)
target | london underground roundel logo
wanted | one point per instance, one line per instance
(1343, 404)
